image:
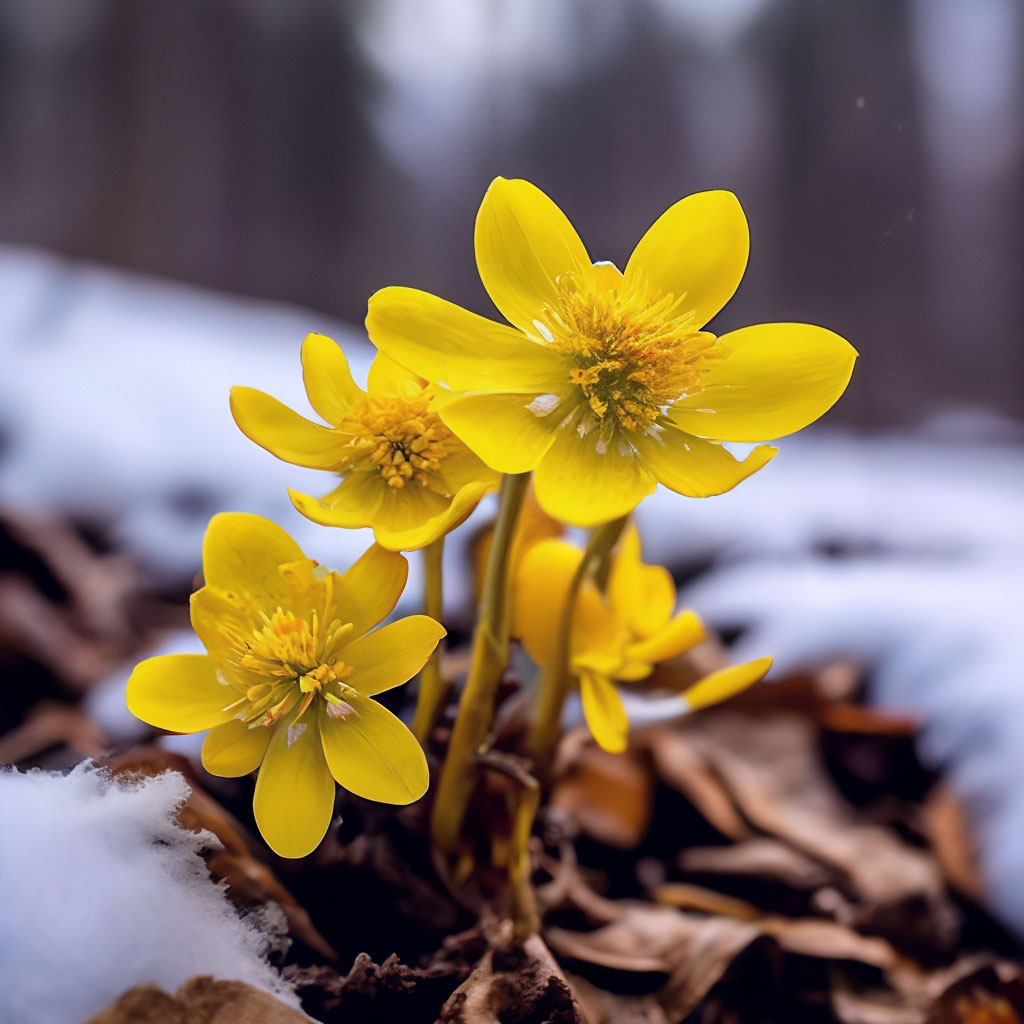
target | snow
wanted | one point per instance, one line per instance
(101, 890)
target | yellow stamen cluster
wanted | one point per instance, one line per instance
(400, 438)
(296, 662)
(629, 354)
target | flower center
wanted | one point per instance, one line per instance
(295, 662)
(630, 358)
(399, 438)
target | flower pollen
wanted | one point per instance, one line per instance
(630, 356)
(399, 437)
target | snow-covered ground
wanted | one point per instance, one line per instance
(903, 551)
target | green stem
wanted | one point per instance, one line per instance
(556, 682)
(433, 686)
(488, 660)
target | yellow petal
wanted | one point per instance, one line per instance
(447, 344)
(697, 468)
(373, 754)
(352, 504)
(416, 537)
(510, 433)
(538, 596)
(541, 585)
(726, 682)
(294, 798)
(391, 655)
(461, 466)
(327, 378)
(218, 621)
(684, 631)
(523, 244)
(604, 712)
(776, 379)
(386, 377)
(180, 693)
(243, 555)
(583, 485)
(697, 251)
(233, 749)
(283, 432)
(368, 592)
(644, 595)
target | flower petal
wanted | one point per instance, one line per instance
(644, 595)
(538, 596)
(523, 244)
(234, 749)
(352, 504)
(697, 468)
(283, 432)
(775, 380)
(542, 582)
(368, 592)
(697, 251)
(386, 377)
(179, 693)
(447, 344)
(393, 654)
(682, 632)
(373, 754)
(583, 486)
(412, 539)
(725, 683)
(503, 430)
(604, 712)
(243, 555)
(327, 378)
(294, 798)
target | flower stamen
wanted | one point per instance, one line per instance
(400, 438)
(629, 354)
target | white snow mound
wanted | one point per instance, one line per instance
(102, 890)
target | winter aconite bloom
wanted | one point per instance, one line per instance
(288, 680)
(617, 636)
(403, 471)
(607, 382)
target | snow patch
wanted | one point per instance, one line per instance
(102, 890)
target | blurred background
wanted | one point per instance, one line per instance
(187, 187)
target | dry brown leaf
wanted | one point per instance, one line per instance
(761, 858)
(200, 1000)
(681, 766)
(947, 828)
(609, 796)
(773, 772)
(49, 725)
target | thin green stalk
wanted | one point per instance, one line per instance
(489, 657)
(556, 682)
(433, 685)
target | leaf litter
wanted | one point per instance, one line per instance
(781, 858)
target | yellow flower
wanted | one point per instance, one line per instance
(618, 636)
(403, 471)
(607, 383)
(288, 680)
